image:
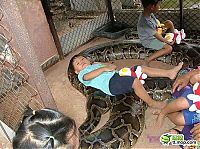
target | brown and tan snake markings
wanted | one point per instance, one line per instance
(126, 119)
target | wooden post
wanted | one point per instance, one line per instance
(45, 4)
(110, 11)
(181, 13)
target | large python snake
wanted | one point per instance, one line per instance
(126, 119)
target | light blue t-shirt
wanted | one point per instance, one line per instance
(146, 29)
(100, 82)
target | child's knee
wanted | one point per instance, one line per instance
(168, 48)
(136, 84)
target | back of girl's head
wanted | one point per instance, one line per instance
(45, 128)
(146, 3)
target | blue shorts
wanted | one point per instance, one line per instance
(189, 116)
(156, 44)
(121, 84)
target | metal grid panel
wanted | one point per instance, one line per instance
(128, 16)
(15, 91)
(170, 10)
(81, 34)
(131, 10)
(75, 20)
(191, 19)
(79, 17)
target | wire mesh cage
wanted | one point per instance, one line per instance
(75, 12)
(76, 19)
(183, 13)
(15, 91)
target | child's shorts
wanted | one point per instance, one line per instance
(189, 116)
(120, 85)
(156, 44)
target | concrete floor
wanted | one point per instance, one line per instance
(72, 103)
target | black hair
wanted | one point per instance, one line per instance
(44, 129)
(146, 3)
(71, 66)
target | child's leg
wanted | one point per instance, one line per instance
(176, 105)
(177, 118)
(165, 50)
(155, 72)
(142, 93)
(176, 130)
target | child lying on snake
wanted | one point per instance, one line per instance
(105, 77)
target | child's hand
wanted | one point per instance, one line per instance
(196, 132)
(170, 43)
(110, 67)
(180, 82)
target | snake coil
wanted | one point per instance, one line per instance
(126, 119)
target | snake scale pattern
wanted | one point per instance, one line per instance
(126, 119)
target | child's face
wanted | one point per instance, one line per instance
(80, 63)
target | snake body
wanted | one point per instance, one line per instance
(126, 119)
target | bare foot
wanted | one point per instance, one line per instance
(157, 104)
(173, 72)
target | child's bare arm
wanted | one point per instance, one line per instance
(183, 80)
(159, 37)
(98, 71)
